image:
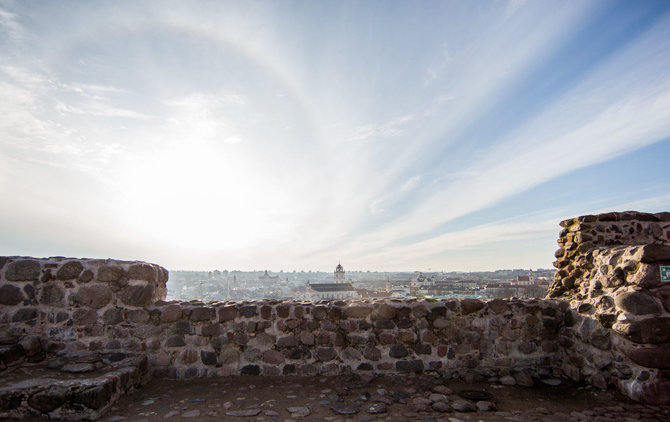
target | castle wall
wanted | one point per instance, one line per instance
(72, 305)
(617, 328)
(607, 321)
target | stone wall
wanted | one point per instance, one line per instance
(74, 304)
(61, 305)
(67, 305)
(607, 321)
(618, 326)
(458, 337)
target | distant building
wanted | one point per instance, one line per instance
(339, 289)
(339, 273)
(268, 279)
(524, 280)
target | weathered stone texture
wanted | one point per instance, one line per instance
(70, 270)
(137, 295)
(93, 296)
(609, 269)
(23, 270)
(10, 295)
(637, 303)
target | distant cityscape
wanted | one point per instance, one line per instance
(340, 284)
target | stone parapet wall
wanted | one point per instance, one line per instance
(456, 337)
(66, 302)
(64, 305)
(618, 326)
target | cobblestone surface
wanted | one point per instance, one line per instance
(365, 399)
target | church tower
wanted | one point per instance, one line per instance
(339, 274)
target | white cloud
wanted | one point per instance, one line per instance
(9, 24)
(554, 143)
(253, 162)
(410, 184)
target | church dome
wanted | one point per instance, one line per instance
(339, 268)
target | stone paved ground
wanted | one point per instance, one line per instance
(354, 398)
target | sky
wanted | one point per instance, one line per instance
(282, 135)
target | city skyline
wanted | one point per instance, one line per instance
(390, 136)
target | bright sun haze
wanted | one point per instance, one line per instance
(392, 135)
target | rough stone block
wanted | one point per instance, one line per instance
(201, 314)
(273, 357)
(441, 310)
(111, 273)
(283, 311)
(210, 330)
(287, 341)
(252, 354)
(23, 270)
(298, 353)
(181, 327)
(94, 397)
(419, 311)
(86, 276)
(384, 324)
(498, 306)
(171, 313)
(372, 353)
(656, 392)
(229, 356)
(47, 400)
(250, 370)
(266, 312)
(11, 353)
(325, 354)
(384, 311)
(31, 345)
(306, 338)
(650, 330)
(320, 313)
(140, 296)
(208, 357)
(84, 317)
(248, 311)
(94, 296)
(649, 357)
(358, 311)
(51, 294)
(69, 271)
(637, 303)
(654, 253)
(398, 351)
(409, 366)
(469, 306)
(241, 339)
(24, 314)
(227, 313)
(137, 316)
(10, 295)
(648, 276)
(143, 271)
(175, 341)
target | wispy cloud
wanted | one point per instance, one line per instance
(393, 128)
(10, 25)
(318, 138)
